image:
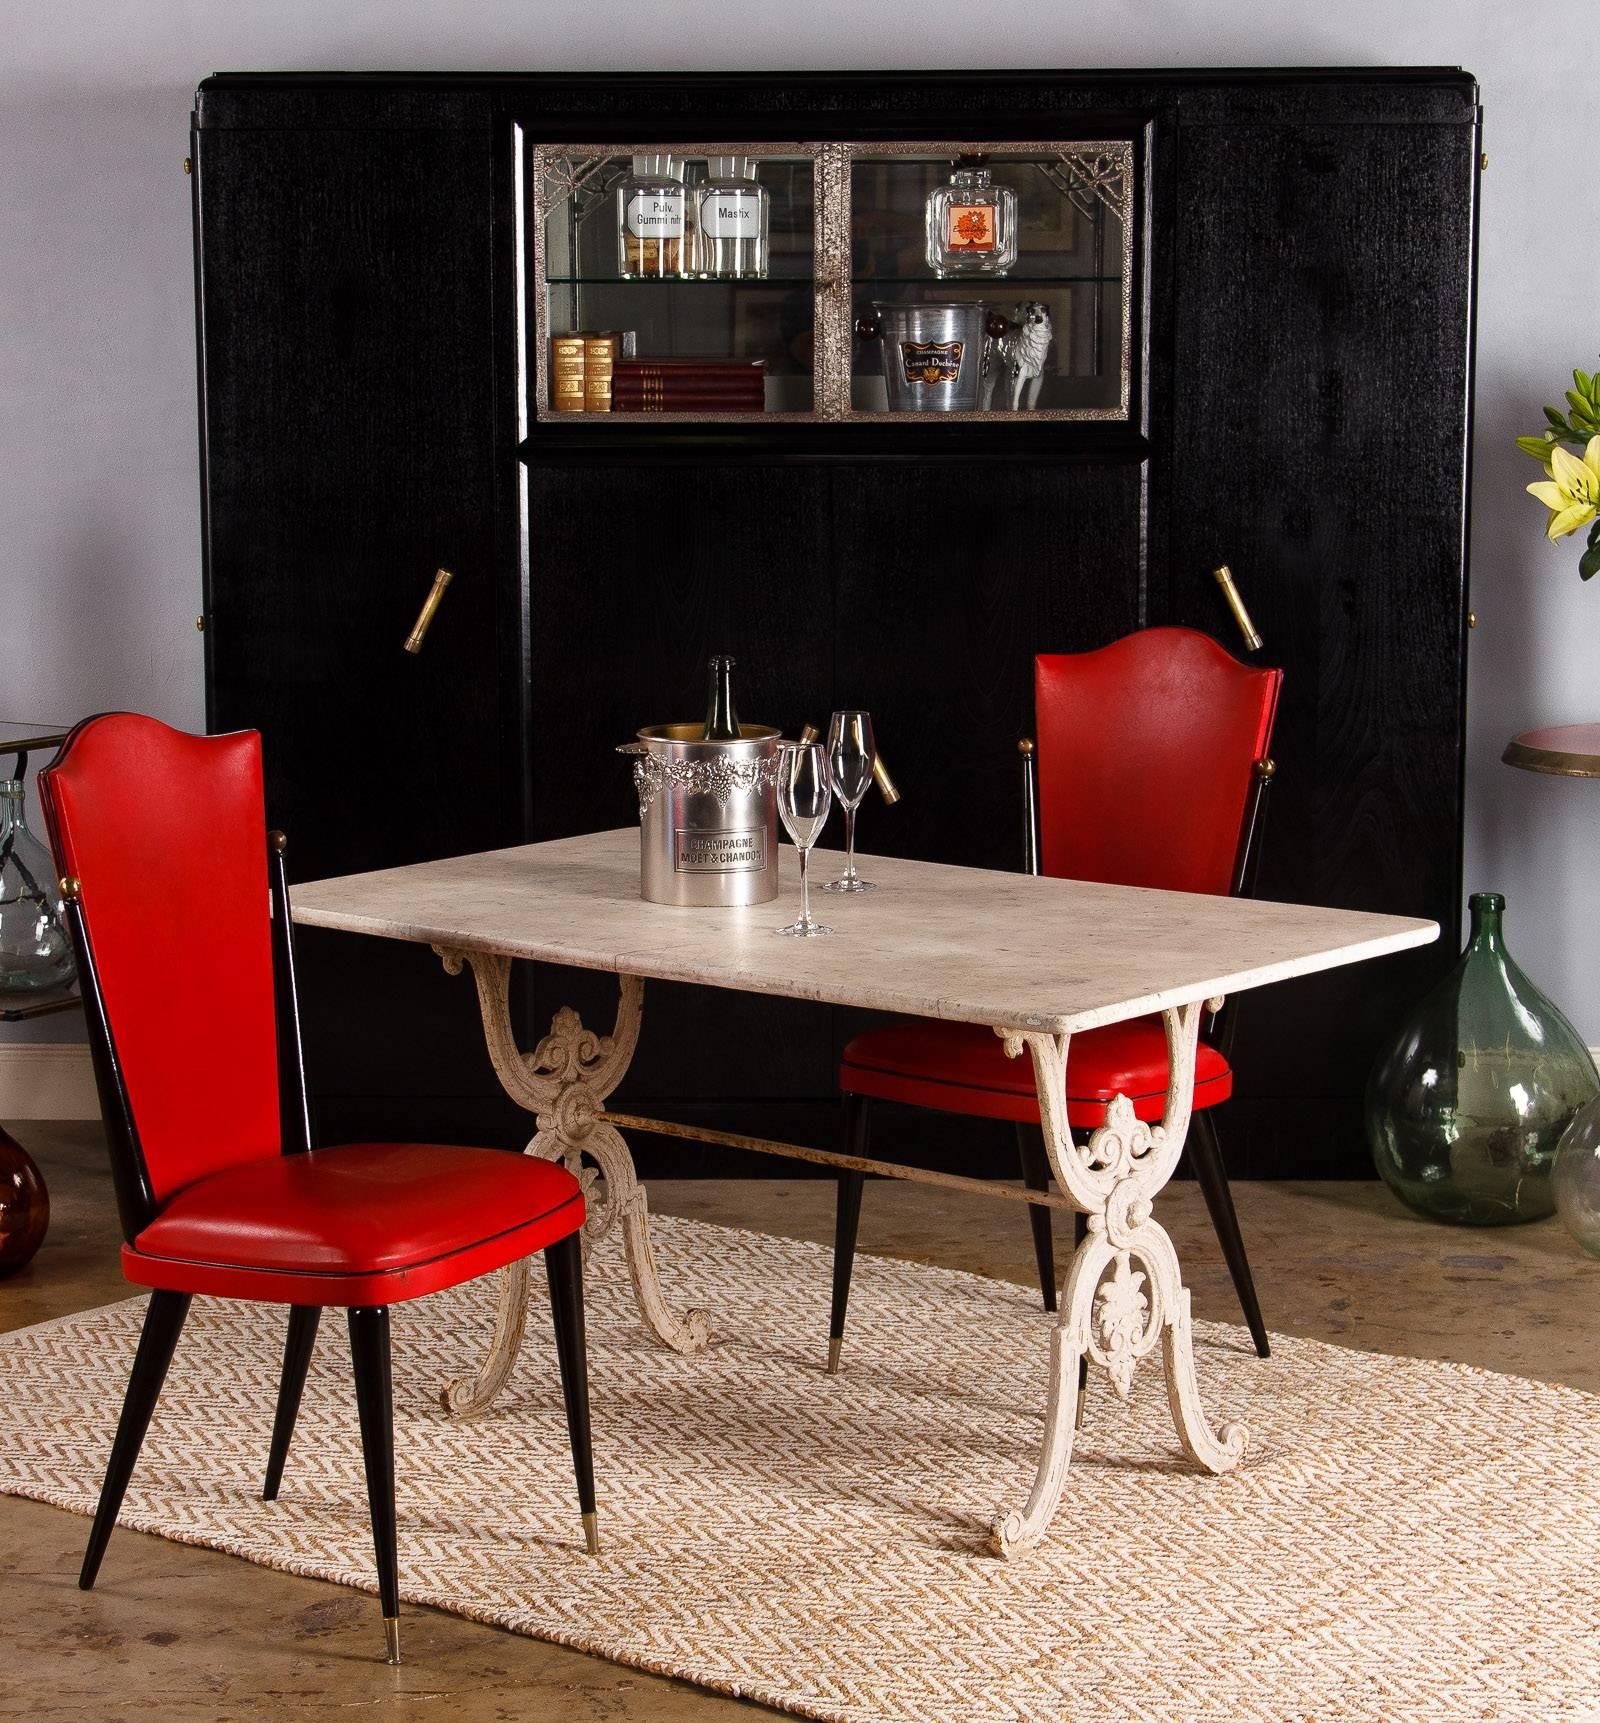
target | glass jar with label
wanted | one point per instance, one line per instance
(731, 212)
(971, 223)
(653, 232)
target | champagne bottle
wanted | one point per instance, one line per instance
(722, 722)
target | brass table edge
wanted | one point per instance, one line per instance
(1553, 762)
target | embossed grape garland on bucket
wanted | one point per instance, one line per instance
(820, 1543)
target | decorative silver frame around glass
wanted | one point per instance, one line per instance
(1086, 173)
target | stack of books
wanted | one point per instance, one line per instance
(689, 385)
(581, 366)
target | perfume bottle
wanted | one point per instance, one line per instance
(731, 214)
(653, 220)
(971, 223)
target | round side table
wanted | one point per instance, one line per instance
(1561, 750)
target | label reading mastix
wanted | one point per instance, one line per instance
(695, 851)
(656, 215)
(971, 227)
(730, 215)
(931, 361)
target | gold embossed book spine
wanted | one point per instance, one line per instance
(567, 373)
(599, 358)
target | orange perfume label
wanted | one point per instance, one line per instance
(971, 227)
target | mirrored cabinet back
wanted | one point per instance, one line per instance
(882, 383)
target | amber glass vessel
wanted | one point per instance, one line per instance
(1465, 1110)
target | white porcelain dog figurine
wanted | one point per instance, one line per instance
(1022, 352)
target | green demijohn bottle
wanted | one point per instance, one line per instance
(1465, 1110)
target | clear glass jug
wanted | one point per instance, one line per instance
(35, 952)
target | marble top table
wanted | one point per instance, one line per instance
(961, 943)
(1036, 960)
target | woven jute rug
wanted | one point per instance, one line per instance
(1406, 1541)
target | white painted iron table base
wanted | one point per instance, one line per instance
(1033, 959)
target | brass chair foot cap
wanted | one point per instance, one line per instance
(591, 1533)
(1077, 1421)
(391, 1638)
(835, 1347)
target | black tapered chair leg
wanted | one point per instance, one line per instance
(1205, 1155)
(1036, 1176)
(847, 1220)
(369, 1352)
(563, 1264)
(1080, 1231)
(297, 1345)
(163, 1323)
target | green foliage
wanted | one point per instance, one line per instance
(1589, 562)
(1576, 426)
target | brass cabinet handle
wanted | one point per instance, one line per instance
(430, 604)
(1224, 578)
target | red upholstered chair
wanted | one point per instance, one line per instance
(1152, 765)
(176, 896)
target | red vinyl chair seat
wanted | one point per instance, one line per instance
(963, 1068)
(362, 1224)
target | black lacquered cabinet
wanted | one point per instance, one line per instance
(1262, 290)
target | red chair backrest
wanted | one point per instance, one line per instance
(1146, 754)
(166, 834)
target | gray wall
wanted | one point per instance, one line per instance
(98, 514)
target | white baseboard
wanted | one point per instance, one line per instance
(47, 1080)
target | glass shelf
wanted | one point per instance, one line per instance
(848, 237)
(995, 286)
(742, 281)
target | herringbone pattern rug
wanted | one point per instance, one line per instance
(1406, 1541)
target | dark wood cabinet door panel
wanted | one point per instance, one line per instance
(347, 328)
(637, 576)
(945, 587)
(1322, 366)
(350, 447)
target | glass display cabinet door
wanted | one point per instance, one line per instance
(830, 282)
(991, 280)
(673, 279)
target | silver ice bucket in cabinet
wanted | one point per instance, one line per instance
(933, 355)
(708, 816)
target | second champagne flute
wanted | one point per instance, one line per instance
(805, 797)
(850, 756)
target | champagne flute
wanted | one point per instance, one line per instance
(805, 796)
(850, 756)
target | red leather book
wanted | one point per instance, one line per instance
(693, 404)
(683, 370)
(700, 405)
(689, 391)
(748, 386)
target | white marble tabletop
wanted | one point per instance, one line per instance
(933, 941)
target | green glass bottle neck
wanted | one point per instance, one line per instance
(1487, 933)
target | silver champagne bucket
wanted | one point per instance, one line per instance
(708, 815)
(932, 356)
